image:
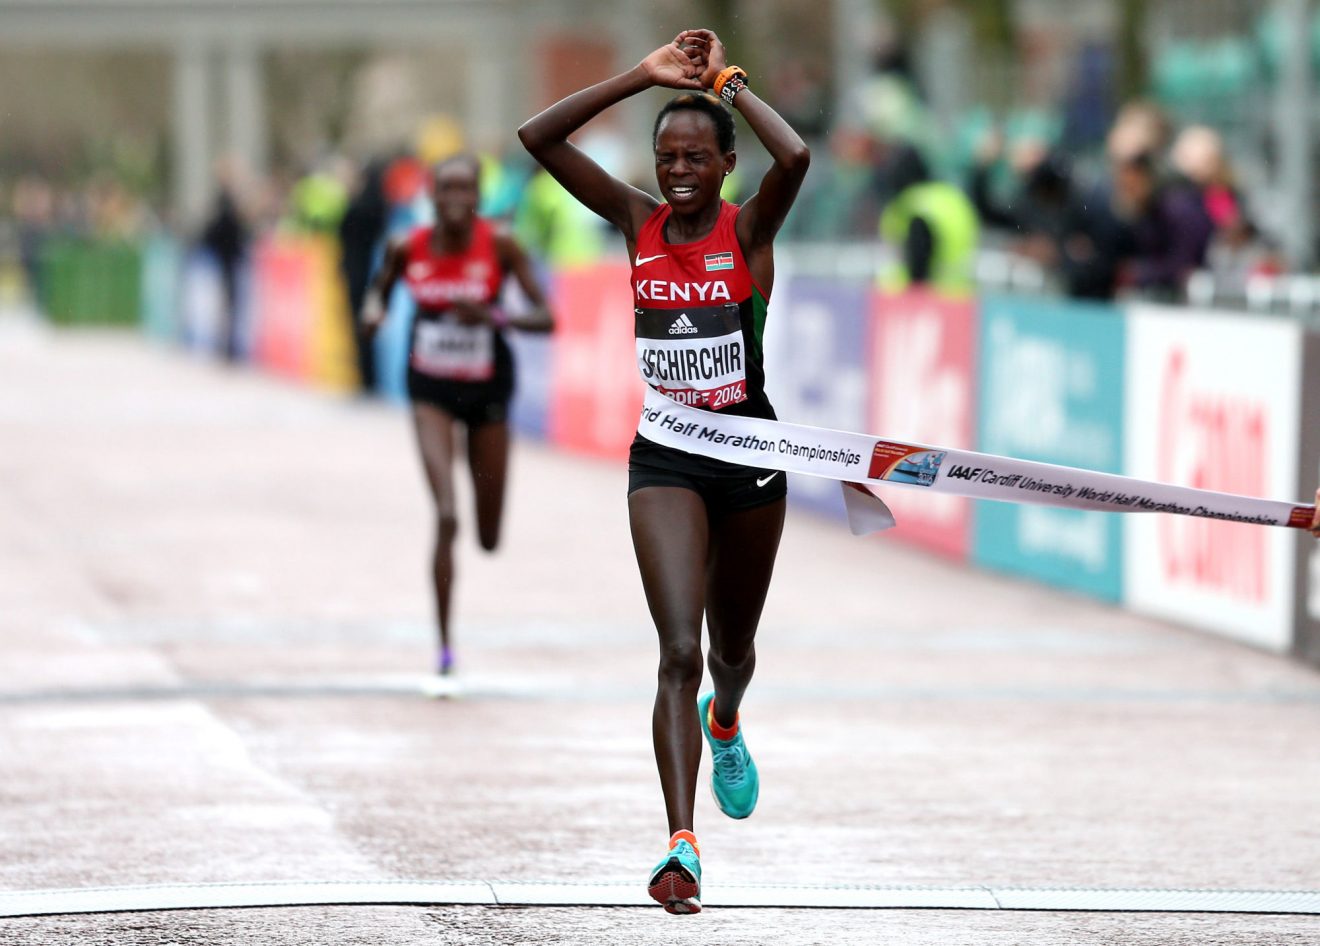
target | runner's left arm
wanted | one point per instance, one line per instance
(516, 262)
(763, 213)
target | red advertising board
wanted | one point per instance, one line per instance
(922, 376)
(597, 392)
(282, 306)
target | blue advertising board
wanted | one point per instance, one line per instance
(162, 264)
(815, 350)
(530, 411)
(1051, 383)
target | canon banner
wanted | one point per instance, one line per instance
(921, 372)
(1051, 375)
(1213, 403)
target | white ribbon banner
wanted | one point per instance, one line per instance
(859, 461)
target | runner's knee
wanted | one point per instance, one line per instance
(446, 529)
(680, 663)
(732, 660)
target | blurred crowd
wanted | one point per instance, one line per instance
(1146, 209)
(1143, 210)
(1164, 208)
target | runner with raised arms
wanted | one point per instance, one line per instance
(705, 531)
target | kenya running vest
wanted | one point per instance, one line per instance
(700, 318)
(442, 346)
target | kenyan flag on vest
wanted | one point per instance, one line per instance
(716, 261)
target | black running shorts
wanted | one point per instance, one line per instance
(724, 487)
(472, 402)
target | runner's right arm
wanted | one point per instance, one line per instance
(376, 303)
(546, 135)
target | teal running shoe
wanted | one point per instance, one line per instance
(676, 881)
(733, 778)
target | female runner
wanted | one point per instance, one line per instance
(705, 532)
(460, 368)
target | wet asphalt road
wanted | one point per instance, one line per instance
(215, 635)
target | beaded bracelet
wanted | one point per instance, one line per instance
(730, 82)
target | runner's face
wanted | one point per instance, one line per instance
(455, 194)
(688, 164)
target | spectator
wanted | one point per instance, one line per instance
(1170, 228)
(932, 223)
(555, 227)
(360, 233)
(319, 200)
(1237, 251)
(1139, 126)
(226, 235)
(1048, 220)
(838, 200)
(34, 212)
(1198, 158)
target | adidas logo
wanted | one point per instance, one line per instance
(682, 326)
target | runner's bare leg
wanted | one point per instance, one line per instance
(488, 460)
(742, 559)
(435, 439)
(670, 537)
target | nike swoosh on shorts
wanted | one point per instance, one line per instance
(762, 482)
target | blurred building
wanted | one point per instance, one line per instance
(159, 89)
(285, 79)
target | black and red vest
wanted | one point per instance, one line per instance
(442, 346)
(700, 318)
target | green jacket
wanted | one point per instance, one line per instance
(954, 227)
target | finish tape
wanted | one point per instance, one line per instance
(861, 461)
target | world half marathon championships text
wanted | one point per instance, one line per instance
(693, 430)
(1109, 497)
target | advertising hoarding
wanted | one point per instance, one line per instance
(597, 391)
(922, 374)
(1051, 390)
(815, 352)
(1213, 402)
(1307, 553)
(282, 306)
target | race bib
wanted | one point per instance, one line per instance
(446, 348)
(693, 356)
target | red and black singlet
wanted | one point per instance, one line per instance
(442, 346)
(699, 321)
(700, 318)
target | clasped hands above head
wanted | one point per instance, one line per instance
(691, 61)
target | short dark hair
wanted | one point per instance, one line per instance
(708, 105)
(463, 157)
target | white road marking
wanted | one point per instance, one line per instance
(136, 899)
